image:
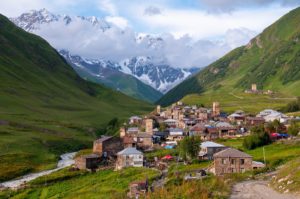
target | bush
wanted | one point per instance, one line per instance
(293, 129)
(258, 138)
(189, 147)
(292, 106)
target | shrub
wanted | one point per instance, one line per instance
(259, 137)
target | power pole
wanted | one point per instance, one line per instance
(264, 156)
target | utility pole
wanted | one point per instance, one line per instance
(264, 156)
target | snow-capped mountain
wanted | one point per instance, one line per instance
(32, 20)
(160, 77)
(155, 73)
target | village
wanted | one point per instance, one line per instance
(164, 129)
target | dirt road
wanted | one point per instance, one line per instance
(257, 189)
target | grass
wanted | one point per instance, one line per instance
(161, 153)
(103, 184)
(238, 100)
(180, 168)
(288, 177)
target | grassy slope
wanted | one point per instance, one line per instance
(271, 61)
(50, 108)
(126, 84)
(103, 184)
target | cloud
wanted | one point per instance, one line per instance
(118, 21)
(152, 10)
(231, 5)
(202, 25)
(108, 7)
(117, 43)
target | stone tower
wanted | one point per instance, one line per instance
(216, 109)
(253, 87)
(158, 109)
(149, 126)
(122, 132)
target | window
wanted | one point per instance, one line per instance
(232, 161)
(223, 161)
(242, 161)
(242, 170)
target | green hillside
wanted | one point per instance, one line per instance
(271, 60)
(124, 83)
(45, 107)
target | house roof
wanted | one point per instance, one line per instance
(103, 138)
(175, 130)
(255, 118)
(130, 151)
(170, 120)
(198, 127)
(210, 144)
(233, 115)
(233, 153)
(144, 135)
(91, 156)
(223, 124)
(133, 129)
(135, 118)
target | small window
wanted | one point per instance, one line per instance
(242, 161)
(223, 161)
(232, 161)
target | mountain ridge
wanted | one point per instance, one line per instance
(270, 60)
(144, 68)
(46, 108)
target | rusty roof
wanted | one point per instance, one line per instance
(232, 153)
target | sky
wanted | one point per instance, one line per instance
(195, 32)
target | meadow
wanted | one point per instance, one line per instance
(78, 184)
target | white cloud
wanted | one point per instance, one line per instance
(118, 43)
(108, 7)
(152, 10)
(200, 24)
(118, 21)
(231, 5)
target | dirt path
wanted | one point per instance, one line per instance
(257, 189)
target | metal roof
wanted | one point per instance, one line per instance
(210, 144)
(130, 151)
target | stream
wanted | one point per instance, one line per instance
(65, 161)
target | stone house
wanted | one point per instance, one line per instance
(208, 149)
(138, 189)
(135, 120)
(129, 141)
(108, 145)
(144, 141)
(197, 130)
(254, 121)
(133, 131)
(129, 157)
(175, 134)
(171, 123)
(231, 161)
(87, 162)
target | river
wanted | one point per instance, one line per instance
(65, 161)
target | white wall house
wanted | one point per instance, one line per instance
(129, 157)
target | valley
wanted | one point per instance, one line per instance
(92, 108)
